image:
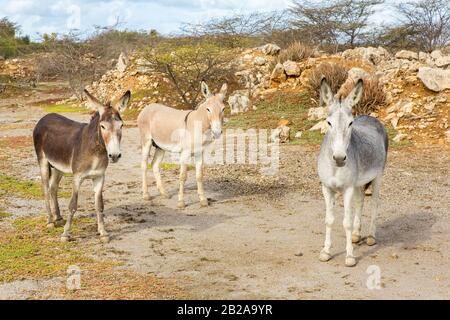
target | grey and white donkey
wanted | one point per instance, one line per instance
(352, 158)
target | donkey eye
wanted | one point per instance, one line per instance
(350, 124)
(103, 127)
(329, 123)
(209, 110)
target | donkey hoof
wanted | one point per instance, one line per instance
(65, 239)
(50, 225)
(105, 239)
(59, 223)
(324, 256)
(356, 238)
(181, 205)
(204, 203)
(350, 262)
(146, 197)
(371, 241)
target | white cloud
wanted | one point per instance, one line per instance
(166, 16)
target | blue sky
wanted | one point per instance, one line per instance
(166, 16)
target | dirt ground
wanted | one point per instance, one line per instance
(261, 236)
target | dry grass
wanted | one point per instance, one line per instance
(372, 98)
(119, 284)
(296, 52)
(335, 73)
(28, 250)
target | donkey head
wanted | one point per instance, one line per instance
(215, 108)
(340, 119)
(110, 122)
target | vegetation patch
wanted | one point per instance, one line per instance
(4, 214)
(64, 108)
(32, 251)
(23, 188)
(290, 105)
(392, 144)
(29, 250)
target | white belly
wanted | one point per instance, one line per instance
(60, 167)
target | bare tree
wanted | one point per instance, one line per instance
(427, 22)
(233, 30)
(333, 21)
(72, 59)
(354, 16)
(317, 21)
(186, 65)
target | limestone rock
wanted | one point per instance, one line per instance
(435, 79)
(357, 73)
(239, 102)
(270, 49)
(122, 62)
(291, 68)
(322, 126)
(260, 61)
(319, 113)
(278, 74)
(281, 134)
(374, 55)
(407, 55)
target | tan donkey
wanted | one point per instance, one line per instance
(183, 132)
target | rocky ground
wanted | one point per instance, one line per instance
(260, 238)
(416, 85)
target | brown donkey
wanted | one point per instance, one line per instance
(66, 146)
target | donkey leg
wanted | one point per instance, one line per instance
(55, 178)
(199, 177)
(371, 239)
(359, 204)
(329, 196)
(72, 207)
(350, 260)
(156, 162)
(183, 176)
(45, 180)
(144, 166)
(99, 206)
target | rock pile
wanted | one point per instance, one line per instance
(416, 84)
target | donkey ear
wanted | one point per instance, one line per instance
(326, 94)
(93, 103)
(123, 102)
(355, 95)
(205, 89)
(223, 91)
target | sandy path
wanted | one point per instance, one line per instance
(261, 238)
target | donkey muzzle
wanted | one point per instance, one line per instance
(114, 157)
(340, 160)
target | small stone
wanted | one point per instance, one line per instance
(260, 61)
(400, 137)
(291, 68)
(406, 54)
